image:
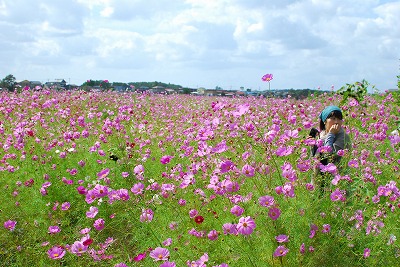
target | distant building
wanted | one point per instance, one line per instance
(57, 84)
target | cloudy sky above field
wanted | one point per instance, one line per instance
(203, 43)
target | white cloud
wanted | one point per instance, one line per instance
(305, 43)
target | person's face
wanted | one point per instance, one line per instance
(331, 121)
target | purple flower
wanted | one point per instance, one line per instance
(326, 228)
(56, 253)
(137, 189)
(10, 225)
(92, 212)
(213, 235)
(54, 229)
(237, 210)
(267, 77)
(248, 170)
(165, 159)
(147, 215)
(226, 166)
(65, 206)
(281, 251)
(246, 225)
(282, 238)
(99, 224)
(274, 213)
(78, 248)
(168, 264)
(266, 201)
(103, 173)
(367, 253)
(229, 228)
(193, 213)
(338, 195)
(167, 242)
(159, 254)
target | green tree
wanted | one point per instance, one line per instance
(9, 82)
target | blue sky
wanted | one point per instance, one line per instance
(203, 43)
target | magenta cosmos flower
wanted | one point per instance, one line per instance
(274, 213)
(103, 173)
(282, 238)
(140, 256)
(56, 253)
(367, 253)
(237, 210)
(246, 225)
(54, 229)
(266, 201)
(92, 212)
(166, 159)
(281, 251)
(159, 254)
(10, 225)
(248, 170)
(99, 224)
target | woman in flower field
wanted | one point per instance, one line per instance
(332, 140)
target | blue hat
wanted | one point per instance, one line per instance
(327, 111)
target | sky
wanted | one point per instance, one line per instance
(203, 43)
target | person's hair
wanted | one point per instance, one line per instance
(335, 113)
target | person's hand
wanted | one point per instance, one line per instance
(334, 128)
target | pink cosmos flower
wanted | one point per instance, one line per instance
(193, 213)
(56, 253)
(266, 201)
(100, 190)
(326, 228)
(78, 248)
(167, 242)
(137, 189)
(229, 228)
(92, 212)
(168, 264)
(147, 215)
(140, 256)
(237, 210)
(84, 231)
(54, 229)
(166, 159)
(103, 173)
(367, 252)
(121, 264)
(99, 224)
(246, 225)
(248, 170)
(274, 213)
(81, 190)
(281, 251)
(159, 254)
(226, 166)
(353, 163)
(282, 238)
(65, 206)
(10, 225)
(138, 170)
(212, 235)
(124, 174)
(338, 195)
(302, 249)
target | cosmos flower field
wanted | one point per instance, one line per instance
(126, 179)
